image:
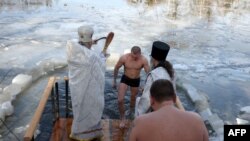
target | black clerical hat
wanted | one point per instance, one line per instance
(160, 50)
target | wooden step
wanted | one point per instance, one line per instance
(111, 130)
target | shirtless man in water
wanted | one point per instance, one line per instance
(167, 123)
(133, 63)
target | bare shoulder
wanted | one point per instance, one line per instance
(196, 118)
(144, 59)
(138, 119)
(142, 119)
(137, 128)
(123, 57)
(194, 115)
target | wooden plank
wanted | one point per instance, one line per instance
(61, 130)
(111, 130)
(37, 115)
(119, 134)
(106, 130)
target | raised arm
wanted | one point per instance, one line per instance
(116, 69)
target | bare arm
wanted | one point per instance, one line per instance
(146, 66)
(116, 69)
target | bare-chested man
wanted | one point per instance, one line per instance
(167, 123)
(133, 63)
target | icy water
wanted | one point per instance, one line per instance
(210, 46)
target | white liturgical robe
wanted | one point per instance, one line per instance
(86, 81)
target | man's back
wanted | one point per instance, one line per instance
(170, 124)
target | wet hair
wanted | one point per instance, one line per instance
(136, 49)
(162, 90)
(168, 67)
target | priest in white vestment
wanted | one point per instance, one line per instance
(86, 81)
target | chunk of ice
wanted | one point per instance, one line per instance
(7, 108)
(23, 80)
(12, 89)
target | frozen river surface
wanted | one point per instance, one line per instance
(210, 46)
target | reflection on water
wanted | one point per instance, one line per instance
(174, 9)
(203, 8)
(24, 4)
(147, 2)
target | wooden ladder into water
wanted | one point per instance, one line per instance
(62, 125)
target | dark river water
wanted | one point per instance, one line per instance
(209, 39)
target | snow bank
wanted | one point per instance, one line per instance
(244, 116)
(23, 81)
(201, 104)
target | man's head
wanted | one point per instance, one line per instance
(159, 52)
(85, 35)
(136, 52)
(162, 90)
